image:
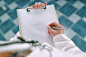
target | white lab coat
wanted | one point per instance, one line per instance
(63, 43)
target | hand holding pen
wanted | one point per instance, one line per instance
(55, 28)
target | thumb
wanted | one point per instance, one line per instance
(49, 29)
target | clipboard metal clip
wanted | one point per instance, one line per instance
(28, 8)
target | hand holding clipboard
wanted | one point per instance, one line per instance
(38, 5)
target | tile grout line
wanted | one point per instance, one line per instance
(70, 20)
(2, 34)
(9, 18)
(76, 22)
(80, 37)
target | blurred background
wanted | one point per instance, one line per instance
(71, 14)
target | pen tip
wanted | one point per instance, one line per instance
(51, 26)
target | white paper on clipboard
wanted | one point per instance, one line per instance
(33, 24)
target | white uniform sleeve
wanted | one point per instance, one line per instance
(63, 43)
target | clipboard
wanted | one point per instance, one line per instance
(19, 21)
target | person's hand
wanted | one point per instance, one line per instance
(38, 5)
(54, 32)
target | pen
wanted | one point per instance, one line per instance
(58, 28)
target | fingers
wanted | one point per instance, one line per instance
(32, 6)
(45, 4)
(38, 5)
(49, 29)
(54, 32)
(35, 7)
(48, 32)
(55, 24)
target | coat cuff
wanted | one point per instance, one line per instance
(60, 37)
